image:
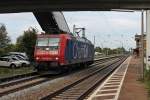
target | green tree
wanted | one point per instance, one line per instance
(4, 39)
(10, 48)
(27, 41)
(106, 51)
(98, 49)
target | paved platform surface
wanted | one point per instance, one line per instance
(133, 89)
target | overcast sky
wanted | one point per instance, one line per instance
(111, 29)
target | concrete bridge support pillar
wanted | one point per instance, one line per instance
(148, 39)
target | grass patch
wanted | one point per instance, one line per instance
(147, 81)
(7, 72)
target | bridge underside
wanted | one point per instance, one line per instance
(7, 6)
(42, 9)
(46, 21)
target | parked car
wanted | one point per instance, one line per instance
(23, 62)
(20, 54)
(9, 62)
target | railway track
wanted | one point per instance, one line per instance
(19, 84)
(22, 84)
(79, 89)
(6, 79)
(24, 76)
(4, 82)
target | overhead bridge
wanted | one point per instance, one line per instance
(70, 5)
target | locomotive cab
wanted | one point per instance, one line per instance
(47, 51)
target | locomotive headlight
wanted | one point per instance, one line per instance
(37, 58)
(47, 49)
(56, 58)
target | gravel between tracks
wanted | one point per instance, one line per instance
(44, 89)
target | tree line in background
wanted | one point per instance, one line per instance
(109, 51)
(25, 42)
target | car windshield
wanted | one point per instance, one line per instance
(20, 58)
(51, 43)
(14, 59)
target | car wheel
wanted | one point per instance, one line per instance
(13, 66)
(24, 65)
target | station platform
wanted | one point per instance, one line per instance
(132, 88)
(123, 84)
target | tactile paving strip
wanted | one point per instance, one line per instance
(110, 88)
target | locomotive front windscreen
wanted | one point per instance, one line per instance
(52, 43)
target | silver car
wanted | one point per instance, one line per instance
(23, 62)
(9, 62)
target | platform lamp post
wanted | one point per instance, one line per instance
(142, 44)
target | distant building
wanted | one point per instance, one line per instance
(138, 48)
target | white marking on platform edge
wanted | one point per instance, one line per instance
(107, 94)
